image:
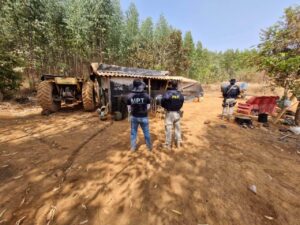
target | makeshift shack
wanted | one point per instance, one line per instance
(115, 84)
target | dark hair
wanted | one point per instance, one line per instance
(232, 81)
(173, 83)
(137, 82)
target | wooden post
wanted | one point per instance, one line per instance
(149, 92)
(149, 86)
(109, 94)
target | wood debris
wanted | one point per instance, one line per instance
(277, 147)
(84, 222)
(56, 189)
(177, 212)
(51, 214)
(20, 221)
(84, 206)
(269, 217)
(18, 177)
(22, 202)
(2, 213)
(11, 154)
(285, 136)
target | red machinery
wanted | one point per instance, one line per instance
(258, 105)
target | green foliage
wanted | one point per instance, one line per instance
(177, 61)
(189, 47)
(116, 29)
(209, 67)
(146, 31)
(144, 56)
(162, 29)
(65, 36)
(131, 30)
(279, 51)
(161, 33)
(9, 78)
(188, 44)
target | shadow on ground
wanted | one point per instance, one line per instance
(84, 169)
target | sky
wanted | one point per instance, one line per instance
(218, 24)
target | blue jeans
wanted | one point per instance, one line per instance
(144, 123)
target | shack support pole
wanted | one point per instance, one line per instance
(149, 87)
(107, 80)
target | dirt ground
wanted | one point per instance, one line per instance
(71, 168)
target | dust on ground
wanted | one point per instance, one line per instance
(71, 168)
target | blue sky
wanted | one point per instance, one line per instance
(218, 24)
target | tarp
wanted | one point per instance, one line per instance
(191, 88)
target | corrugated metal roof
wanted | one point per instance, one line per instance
(119, 74)
(131, 70)
(105, 70)
(185, 79)
(132, 75)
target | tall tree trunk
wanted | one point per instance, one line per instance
(297, 116)
(30, 69)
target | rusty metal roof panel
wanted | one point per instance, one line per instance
(132, 75)
(106, 70)
(131, 70)
(184, 79)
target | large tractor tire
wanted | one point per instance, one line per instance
(45, 97)
(297, 115)
(88, 96)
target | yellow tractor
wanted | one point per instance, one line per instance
(54, 90)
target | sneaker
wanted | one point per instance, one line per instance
(132, 149)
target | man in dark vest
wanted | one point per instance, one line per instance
(230, 94)
(172, 102)
(138, 104)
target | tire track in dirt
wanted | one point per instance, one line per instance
(76, 151)
(38, 132)
(60, 172)
(53, 144)
(206, 181)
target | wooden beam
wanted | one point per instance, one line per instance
(283, 111)
(149, 87)
(109, 93)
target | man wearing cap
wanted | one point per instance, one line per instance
(138, 104)
(172, 102)
(230, 94)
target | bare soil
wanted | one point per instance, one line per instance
(71, 168)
